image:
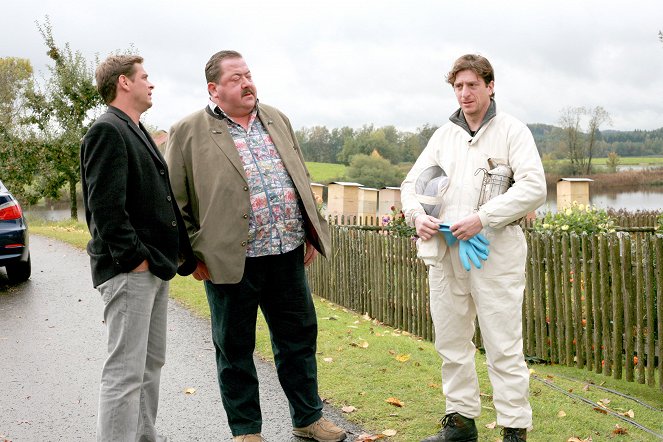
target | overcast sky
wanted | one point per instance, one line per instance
(356, 62)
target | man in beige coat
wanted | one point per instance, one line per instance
(239, 178)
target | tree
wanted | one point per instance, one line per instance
(580, 146)
(368, 139)
(373, 171)
(15, 81)
(570, 122)
(18, 159)
(597, 117)
(63, 112)
(613, 162)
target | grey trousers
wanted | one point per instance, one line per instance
(135, 310)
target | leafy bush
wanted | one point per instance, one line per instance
(578, 218)
(396, 225)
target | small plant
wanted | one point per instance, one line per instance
(578, 218)
(320, 205)
(396, 225)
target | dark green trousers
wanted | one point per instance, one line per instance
(276, 284)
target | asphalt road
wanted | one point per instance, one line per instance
(52, 347)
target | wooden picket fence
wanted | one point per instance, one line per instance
(593, 302)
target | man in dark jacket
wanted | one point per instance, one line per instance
(138, 244)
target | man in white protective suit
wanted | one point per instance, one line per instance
(487, 175)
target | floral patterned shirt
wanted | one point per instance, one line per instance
(276, 224)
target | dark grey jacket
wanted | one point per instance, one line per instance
(129, 205)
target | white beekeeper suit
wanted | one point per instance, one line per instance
(494, 292)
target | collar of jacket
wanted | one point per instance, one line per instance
(219, 114)
(459, 119)
(140, 132)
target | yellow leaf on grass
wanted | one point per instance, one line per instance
(492, 425)
(363, 344)
(561, 413)
(630, 413)
(395, 402)
(403, 358)
(348, 409)
(390, 432)
(189, 390)
(365, 437)
(328, 359)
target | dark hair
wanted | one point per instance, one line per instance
(475, 63)
(110, 70)
(213, 66)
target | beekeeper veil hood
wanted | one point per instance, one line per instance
(429, 189)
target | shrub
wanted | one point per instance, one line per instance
(396, 225)
(577, 219)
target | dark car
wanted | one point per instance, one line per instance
(14, 250)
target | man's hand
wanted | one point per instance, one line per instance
(426, 226)
(467, 227)
(142, 267)
(201, 273)
(310, 254)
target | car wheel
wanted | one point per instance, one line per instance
(19, 272)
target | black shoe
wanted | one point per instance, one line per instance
(455, 428)
(514, 434)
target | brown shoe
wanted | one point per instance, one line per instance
(321, 430)
(249, 438)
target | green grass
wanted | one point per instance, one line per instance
(636, 161)
(325, 172)
(362, 364)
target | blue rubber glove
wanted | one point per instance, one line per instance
(480, 244)
(448, 236)
(473, 250)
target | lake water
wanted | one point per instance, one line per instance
(631, 201)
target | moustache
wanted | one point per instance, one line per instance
(247, 91)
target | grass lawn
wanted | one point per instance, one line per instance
(325, 172)
(392, 379)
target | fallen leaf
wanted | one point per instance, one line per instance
(390, 432)
(600, 410)
(363, 344)
(561, 413)
(365, 437)
(492, 425)
(395, 402)
(585, 388)
(366, 317)
(630, 413)
(619, 430)
(189, 390)
(604, 401)
(392, 352)
(403, 358)
(348, 409)
(328, 359)
(432, 385)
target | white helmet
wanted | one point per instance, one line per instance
(429, 189)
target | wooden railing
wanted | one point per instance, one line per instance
(594, 302)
